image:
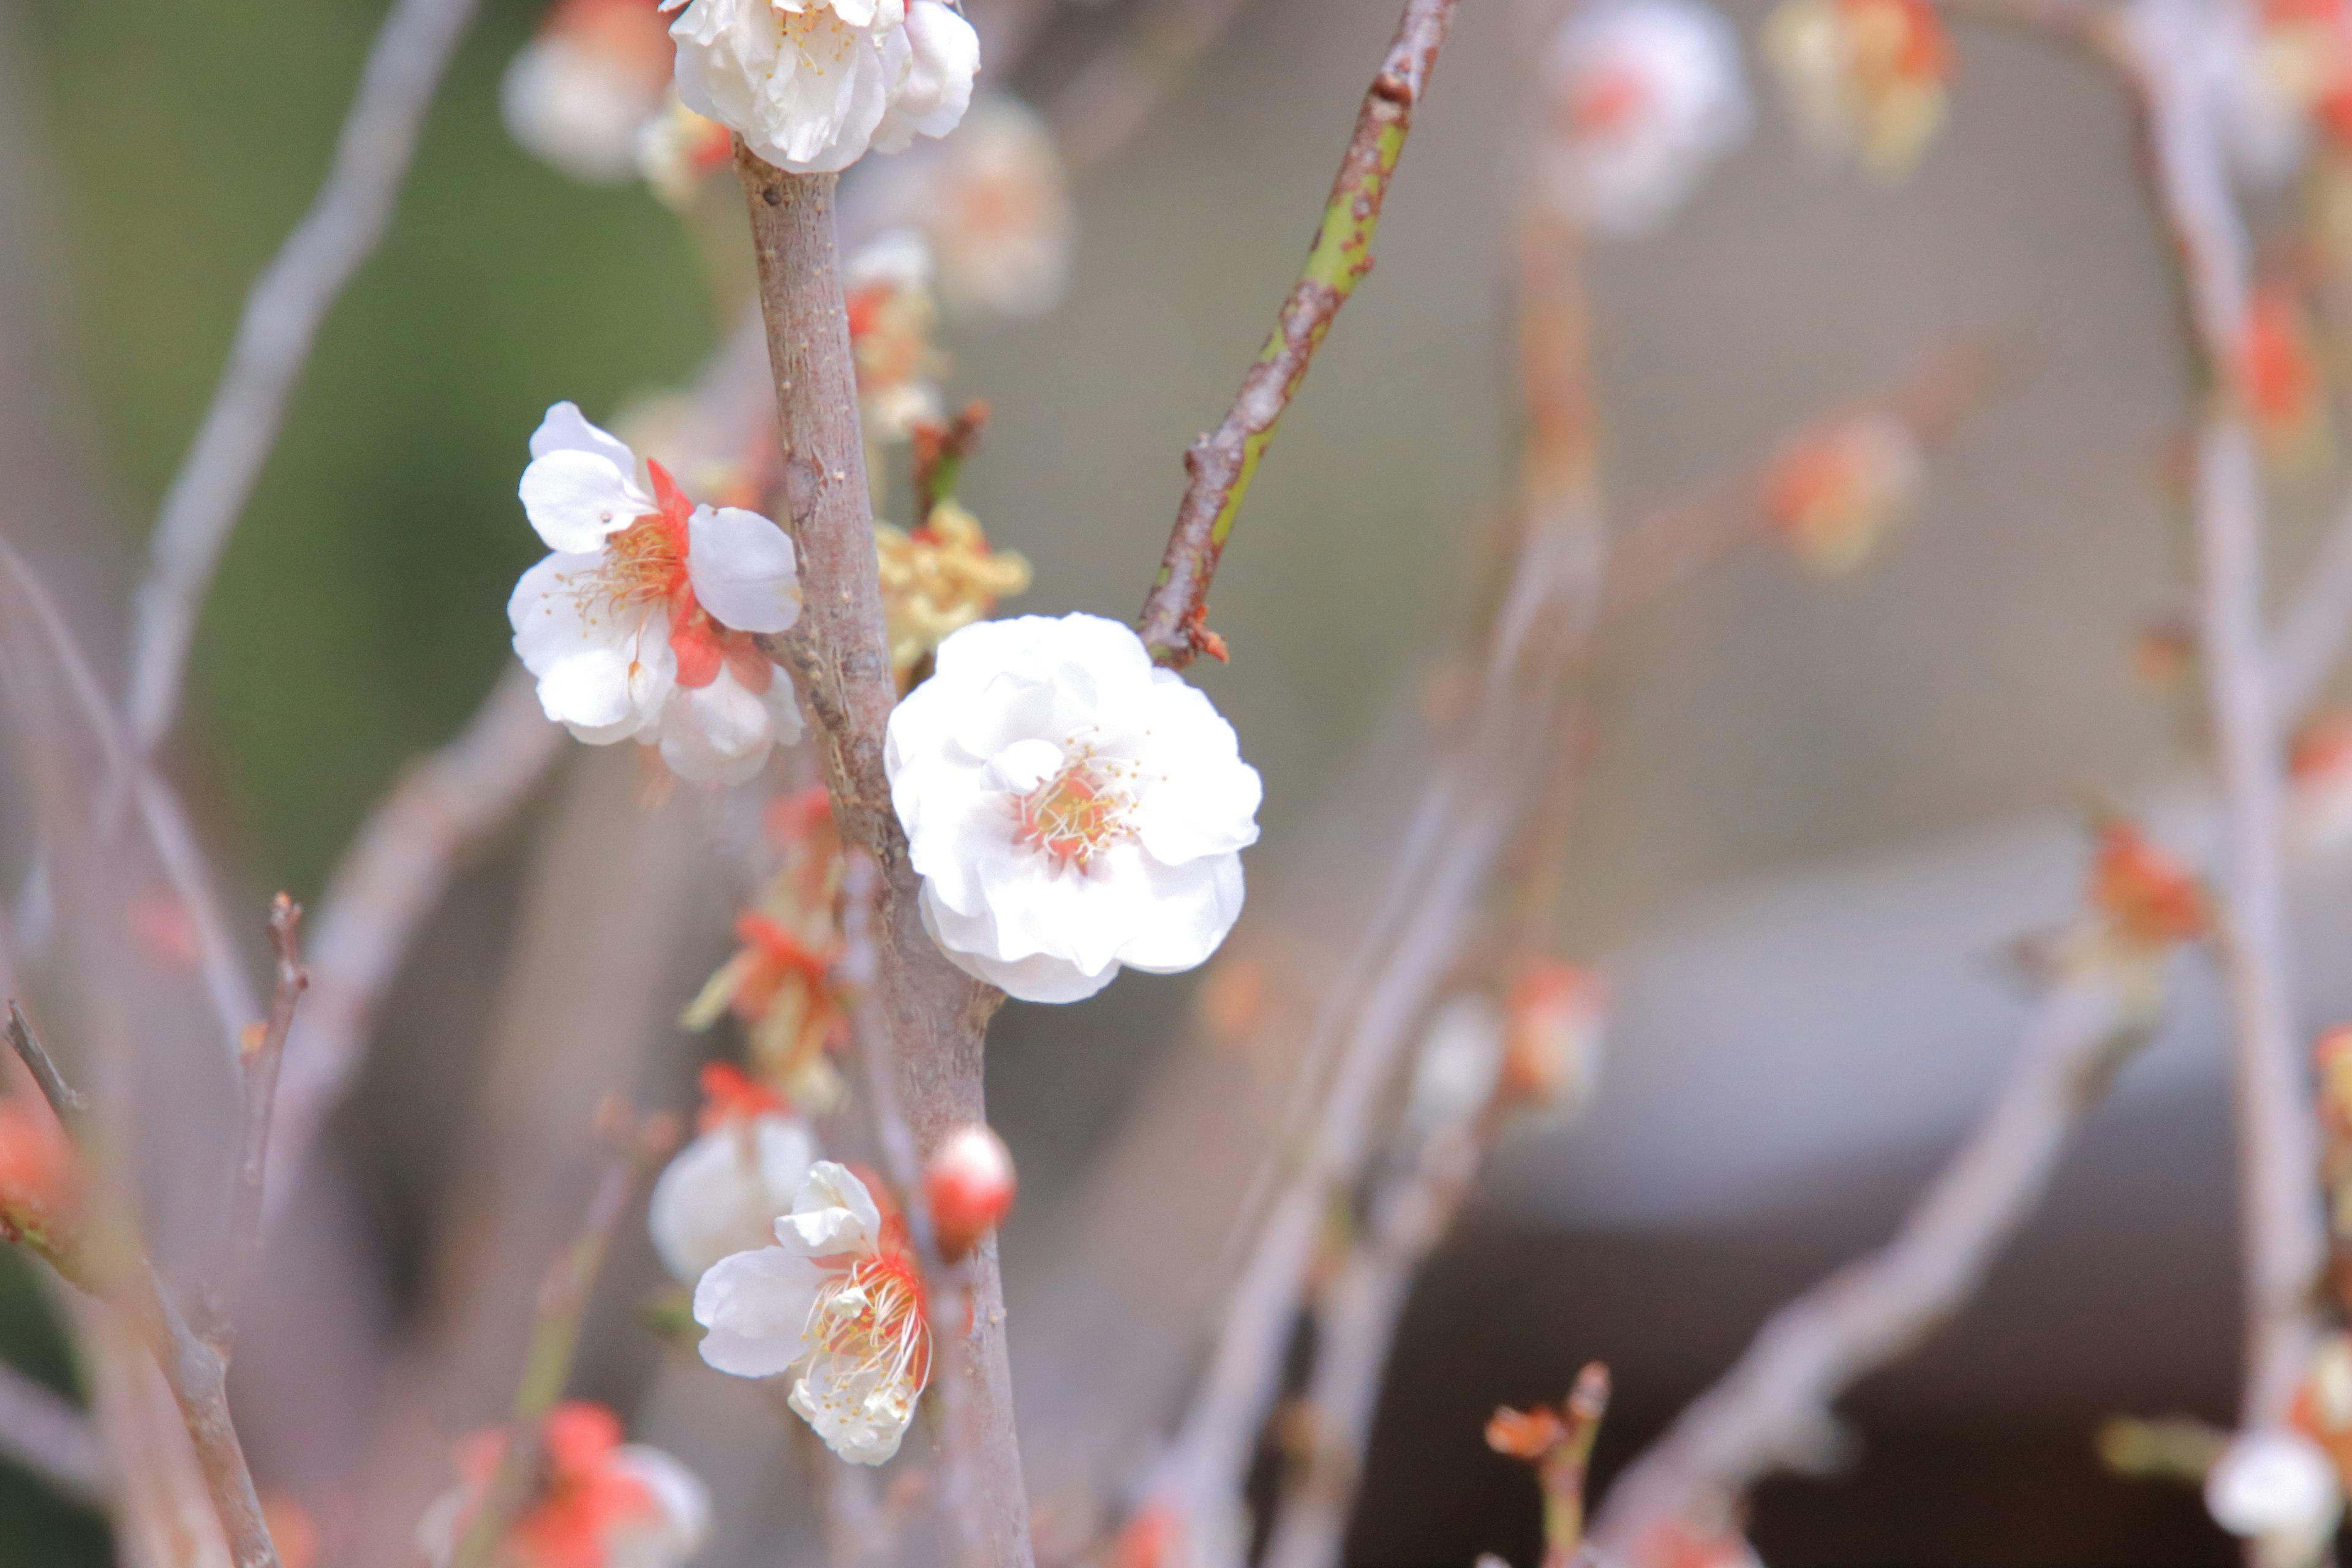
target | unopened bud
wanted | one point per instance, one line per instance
(969, 1185)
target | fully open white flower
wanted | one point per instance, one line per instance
(725, 1190)
(638, 627)
(1071, 808)
(1645, 96)
(2278, 1489)
(811, 84)
(839, 1299)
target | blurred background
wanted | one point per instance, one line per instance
(1817, 812)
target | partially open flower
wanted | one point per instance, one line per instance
(1071, 808)
(886, 287)
(811, 84)
(839, 1300)
(601, 1503)
(938, 579)
(639, 626)
(2278, 1489)
(1551, 1046)
(576, 96)
(724, 1191)
(1644, 97)
(1833, 492)
(968, 1182)
(1864, 78)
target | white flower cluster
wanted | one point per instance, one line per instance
(1645, 96)
(1071, 808)
(639, 626)
(811, 84)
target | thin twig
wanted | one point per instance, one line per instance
(1116, 91)
(282, 314)
(935, 1015)
(2161, 48)
(563, 1308)
(194, 1371)
(265, 1049)
(1773, 1409)
(1221, 463)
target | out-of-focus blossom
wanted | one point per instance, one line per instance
(811, 84)
(1071, 808)
(1555, 1015)
(1458, 1065)
(1645, 96)
(601, 1503)
(886, 287)
(780, 982)
(2283, 72)
(839, 1299)
(1864, 79)
(1528, 1434)
(2280, 380)
(639, 626)
(2164, 652)
(994, 201)
(40, 1182)
(2319, 785)
(1835, 492)
(576, 96)
(2323, 1406)
(968, 1184)
(2141, 898)
(291, 1531)
(678, 149)
(724, 1191)
(2277, 1489)
(938, 579)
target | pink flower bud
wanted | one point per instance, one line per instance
(969, 1185)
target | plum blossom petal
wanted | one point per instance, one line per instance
(1645, 96)
(1070, 808)
(724, 1191)
(720, 733)
(833, 1214)
(944, 57)
(742, 569)
(756, 1307)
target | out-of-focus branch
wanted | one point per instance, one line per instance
(935, 1015)
(265, 1049)
(2310, 636)
(194, 1371)
(1773, 1409)
(564, 1298)
(383, 889)
(1119, 90)
(47, 1436)
(231, 993)
(1222, 462)
(282, 315)
(2162, 48)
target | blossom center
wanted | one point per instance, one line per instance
(1072, 814)
(871, 1325)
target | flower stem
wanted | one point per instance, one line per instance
(934, 1014)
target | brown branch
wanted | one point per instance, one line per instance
(193, 1370)
(1221, 463)
(2160, 49)
(933, 1014)
(1773, 1409)
(265, 1049)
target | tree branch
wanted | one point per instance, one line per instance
(282, 314)
(265, 1049)
(934, 1014)
(1222, 462)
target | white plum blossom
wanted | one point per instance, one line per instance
(839, 1300)
(639, 626)
(811, 84)
(1071, 809)
(994, 202)
(2277, 1489)
(1644, 95)
(725, 1190)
